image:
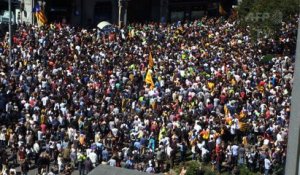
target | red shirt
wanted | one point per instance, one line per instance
(21, 154)
(243, 94)
(268, 114)
(218, 149)
(222, 99)
(43, 128)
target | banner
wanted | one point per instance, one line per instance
(149, 80)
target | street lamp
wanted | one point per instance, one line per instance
(125, 11)
(122, 11)
(21, 11)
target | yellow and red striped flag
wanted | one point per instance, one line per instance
(41, 18)
(151, 62)
(40, 15)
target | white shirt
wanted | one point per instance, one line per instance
(59, 160)
(267, 164)
(27, 105)
(279, 137)
(266, 142)
(71, 132)
(2, 136)
(218, 141)
(235, 149)
(58, 146)
(14, 171)
(35, 117)
(150, 170)
(114, 131)
(232, 129)
(204, 152)
(112, 162)
(36, 147)
(201, 145)
(93, 157)
(44, 100)
(197, 127)
(169, 150)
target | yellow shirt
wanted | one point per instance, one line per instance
(233, 82)
(210, 85)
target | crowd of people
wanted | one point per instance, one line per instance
(72, 98)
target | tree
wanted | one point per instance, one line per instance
(264, 17)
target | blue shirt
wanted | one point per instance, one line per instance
(137, 145)
(105, 155)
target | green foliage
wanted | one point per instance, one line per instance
(279, 171)
(209, 173)
(192, 167)
(245, 171)
(266, 59)
(264, 17)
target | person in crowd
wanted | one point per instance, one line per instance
(88, 165)
(25, 167)
(146, 92)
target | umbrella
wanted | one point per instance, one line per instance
(103, 24)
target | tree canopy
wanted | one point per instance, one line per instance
(265, 16)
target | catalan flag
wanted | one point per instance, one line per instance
(151, 62)
(242, 115)
(40, 15)
(149, 79)
(243, 126)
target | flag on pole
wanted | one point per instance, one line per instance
(221, 10)
(40, 15)
(153, 105)
(149, 80)
(151, 62)
(243, 126)
(226, 111)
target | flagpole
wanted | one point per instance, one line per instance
(120, 13)
(32, 13)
